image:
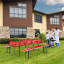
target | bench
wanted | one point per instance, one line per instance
(35, 47)
(25, 43)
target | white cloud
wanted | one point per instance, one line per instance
(62, 8)
(52, 2)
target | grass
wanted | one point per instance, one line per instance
(54, 56)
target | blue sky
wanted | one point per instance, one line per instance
(48, 6)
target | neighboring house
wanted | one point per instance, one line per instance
(19, 19)
(55, 20)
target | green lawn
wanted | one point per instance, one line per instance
(54, 56)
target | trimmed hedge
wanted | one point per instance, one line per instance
(6, 41)
(61, 38)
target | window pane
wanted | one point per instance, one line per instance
(24, 33)
(11, 15)
(11, 33)
(24, 29)
(19, 4)
(16, 10)
(20, 29)
(16, 29)
(20, 16)
(53, 19)
(11, 29)
(63, 17)
(57, 16)
(24, 16)
(57, 20)
(16, 15)
(24, 11)
(16, 33)
(50, 19)
(11, 10)
(20, 33)
(24, 5)
(20, 10)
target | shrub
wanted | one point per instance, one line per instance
(6, 41)
(2, 41)
(61, 38)
(42, 37)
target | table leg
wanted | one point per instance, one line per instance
(19, 50)
(9, 50)
(38, 45)
(25, 46)
(46, 49)
(28, 54)
(33, 46)
(14, 50)
(43, 49)
(25, 54)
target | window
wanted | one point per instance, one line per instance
(63, 17)
(38, 18)
(18, 11)
(63, 23)
(54, 20)
(18, 32)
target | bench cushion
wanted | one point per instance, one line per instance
(26, 49)
(25, 42)
(6, 45)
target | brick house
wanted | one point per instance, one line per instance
(19, 19)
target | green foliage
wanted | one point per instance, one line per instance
(42, 37)
(61, 38)
(6, 41)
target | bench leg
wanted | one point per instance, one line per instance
(43, 49)
(25, 46)
(14, 50)
(33, 46)
(28, 54)
(38, 45)
(46, 49)
(19, 50)
(9, 50)
(25, 54)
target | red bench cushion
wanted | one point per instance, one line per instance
(26, 49)
(6, 45)
(24, 42)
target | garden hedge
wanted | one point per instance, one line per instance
(6, 41)
(61, 38)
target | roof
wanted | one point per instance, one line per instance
(56, 12)
(34, 3)
(39, 12)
